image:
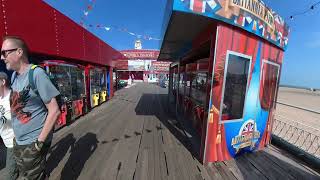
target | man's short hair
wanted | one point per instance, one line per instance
(19, 42)
(4, 76)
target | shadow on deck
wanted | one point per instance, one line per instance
(80, 152)
(271, 163)
(141, 139)
(167, 118)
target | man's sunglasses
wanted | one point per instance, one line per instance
(5, 53)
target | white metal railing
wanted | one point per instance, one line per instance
(302, 136)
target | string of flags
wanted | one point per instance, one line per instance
(125, 30)
(312, 7)
(86, 12)
(279, 35)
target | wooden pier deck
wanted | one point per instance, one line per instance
(134, 137)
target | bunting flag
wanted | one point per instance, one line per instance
(86, 12)
(125, 30)
(202, 6)
(91, 5)
(311, 8)
(254, 25)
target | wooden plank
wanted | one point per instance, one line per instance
(214, 173)
(195, 169)
(175, 152)
(183, 165)
(101, 125)
(248, 170)
(160, 166)
(130, 148)
(224, 171)
(119, 159)
(203, 171)
(168, 147)
(231, 164)
(142, 168)
(148, 142)
(188, 164)
(77, 133)
(108, 159)
(162, 154)
(294, 169)
(143, 157)
(290, 159)
(161, 169)
(269, 169)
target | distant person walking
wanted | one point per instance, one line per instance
(6, 130)
(34, 109)
(132, 78)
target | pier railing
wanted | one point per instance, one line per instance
(302, 136)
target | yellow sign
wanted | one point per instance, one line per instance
(256, 8)
(244, 138)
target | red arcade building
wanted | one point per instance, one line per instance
(79, 63)
(227, 58)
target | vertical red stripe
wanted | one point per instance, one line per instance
(226, 154)
(213, 127)
(242, 43)
(272, 55)
(266, 51)
(280, 57)
(235, 43)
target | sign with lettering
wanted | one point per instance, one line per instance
(251, 15)
(141, 54)
(161, 66)
(257, 8)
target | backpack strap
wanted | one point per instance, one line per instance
(13, 78)
(31, 81)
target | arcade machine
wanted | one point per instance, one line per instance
(98, 88)
(79, 103)
(69, 79)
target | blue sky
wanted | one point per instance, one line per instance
(301, 61)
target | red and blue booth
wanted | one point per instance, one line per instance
(228, 55)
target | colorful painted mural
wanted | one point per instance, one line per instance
(244, 84)
(252, 15)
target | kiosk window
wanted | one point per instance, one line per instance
(235, 88)
(97, 80)
(77, 81)
(268, 85)
(193, 84)
(198, 92)
(181, 84)
(188, 77)
(62, 79)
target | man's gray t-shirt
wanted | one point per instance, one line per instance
(28, 108)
